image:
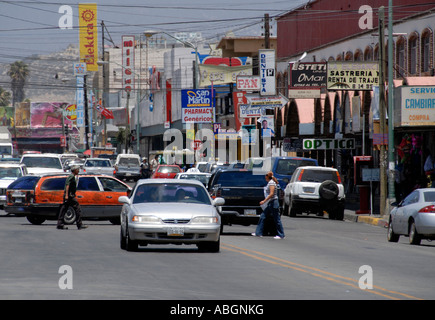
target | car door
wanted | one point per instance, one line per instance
(403, 212)
(91, 197)
(113, 189)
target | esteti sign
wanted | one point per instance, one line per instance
(197, 106)
(328, 144)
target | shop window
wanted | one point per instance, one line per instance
(400, 59)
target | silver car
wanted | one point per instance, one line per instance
(165, 211)
(414, 217)
(98, 166)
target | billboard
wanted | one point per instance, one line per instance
(348, 75)
(88, 35)
(197, 106)
(417, 105)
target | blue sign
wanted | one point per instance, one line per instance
(197, 105)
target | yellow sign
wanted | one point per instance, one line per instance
(88, 35)
(218, 75)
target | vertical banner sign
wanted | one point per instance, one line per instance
(267, 72)
(88, 35)
(127, 63)
(80, 101)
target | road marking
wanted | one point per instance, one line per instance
(316, 272)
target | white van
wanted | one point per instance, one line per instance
(42, 163)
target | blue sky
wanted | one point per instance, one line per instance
(32, 26)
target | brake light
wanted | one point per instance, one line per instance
(300, 175)
(428, 209)
(338, 177)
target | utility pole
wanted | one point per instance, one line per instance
(266, 31)
(382, 116)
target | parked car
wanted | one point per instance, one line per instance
(166, 171)
(314, 190)
(39, 197)
(242, 190)
(9, 172)
(98, 166)
(42, 163)
(194, 175)
(413, 217)
(164, 211)
(127, 166)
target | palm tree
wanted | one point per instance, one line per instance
(18, 72)
(5, 98)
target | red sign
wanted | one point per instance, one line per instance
(197, 144)
(127, 62)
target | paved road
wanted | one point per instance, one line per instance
(318, 259)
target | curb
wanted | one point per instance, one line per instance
(368, 219)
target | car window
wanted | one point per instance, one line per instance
(411, 198)
(129, 162)
(240, 179)
(318, 175)
(98, 163)
(88, 184)
(183, 193)
(112, 185)
(53, 184)
(288, 166)
(10, 173)
(42, 162)
(26, 183)
(200, 177)
(429, 196)
(167, 169)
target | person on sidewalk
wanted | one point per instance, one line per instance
(270, 206)
(70, 200)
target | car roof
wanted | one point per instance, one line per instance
(317, 168)
(11, 164)
(39, 155)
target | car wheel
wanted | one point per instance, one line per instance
(337, 214)
(328, 190)
(130, 245)
(70, 215)
(414, 237)
(291, 210)
(391, 236)
(115, 221)
(123, 240)
(285, 211)
(35, 220)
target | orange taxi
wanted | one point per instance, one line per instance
(39, 198)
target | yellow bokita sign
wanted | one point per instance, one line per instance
(88, 35)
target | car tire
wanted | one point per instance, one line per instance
(391, 236)
(414, 236)
(130, 245)
(209, 246)
(35, 220)
(285, 210)
(328, 190)
(123, 241)
(291, 210)
(337, 214)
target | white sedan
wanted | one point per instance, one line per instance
(165, 211)
(414, 217)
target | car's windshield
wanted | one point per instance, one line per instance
(10, 173)
(168, 169)
(171, 192)
(241, 179)
(98, 163)
(319, 175)
(129, 162)
(42, 162)
(288, 166)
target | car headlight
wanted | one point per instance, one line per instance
(204, 220)
(145, 219)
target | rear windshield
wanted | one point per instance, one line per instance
(42, 162)
(26, 183)
(319, 176)
(129, 162)
(288, 166)
(166, 169)
(98, 163)
(241, 179)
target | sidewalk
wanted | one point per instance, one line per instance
(353, 204)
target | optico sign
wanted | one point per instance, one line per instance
(328, 144)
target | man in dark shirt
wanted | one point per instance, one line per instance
(70, 200)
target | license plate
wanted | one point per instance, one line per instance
(250, 212)
(18, 200)
(175, 231)
(128, 174)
